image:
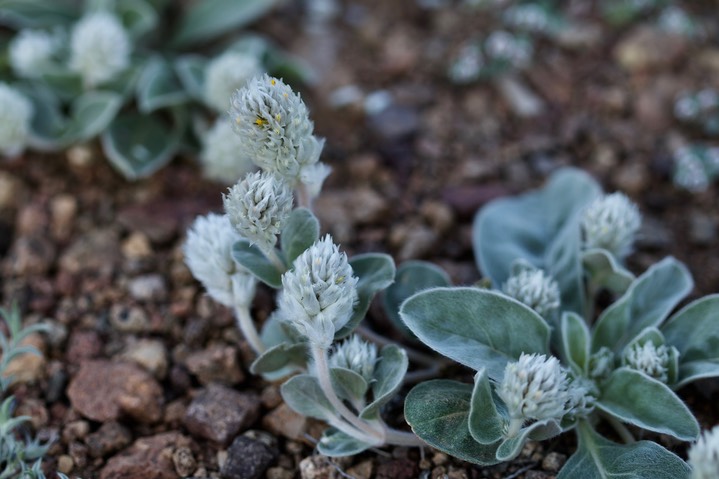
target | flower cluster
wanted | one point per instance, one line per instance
(99, 48)
(650, 359)
(535, 289)
(356, 355)
(611, 223)
(31, 52)
(704, 455)
(220, 159)
(226, 74)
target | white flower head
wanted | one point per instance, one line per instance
(31, 52)
(611, 223)
(208, 255)
(99, 48)
(356, 355)
(319, 292)
(704, 455)
(15, 116)
(649, 359)
(221, 156)
(535, 289)
(258, 207)
(601, 363)
(535, 387)
(226, 74)
(275, 127)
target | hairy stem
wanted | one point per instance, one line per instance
(303, 197)
(275, 259)
(247, 327)
(620, 428)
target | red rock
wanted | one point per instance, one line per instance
(147, 458)
(219, 413)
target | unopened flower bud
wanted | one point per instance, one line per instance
(356, 355)
(649, 359)
(535, 289)
(611, 223)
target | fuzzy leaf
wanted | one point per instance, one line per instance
(412, 276)
(252, 258)
(375, 272)
(599, 458)
(279, 357)
(158, 87)
(605, 272)
(303, 394)
(348, 384)
(37, 13)
(91, 114)
(438, 412)
(540, 227)
(300, 231)
(387, 378)
(635, 398)
(694, 331)
(475, 327)
(334, 443)
(190, 69)
(486, 425)
(67, 85)
(646, 303)
(510, 448)
(138, 17)
(575, 342)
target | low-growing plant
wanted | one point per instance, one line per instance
(146, 88)
(546, 360)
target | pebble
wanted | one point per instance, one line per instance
(363, 470)
(248, 459)
(702, 228)
(95, 251)
(35, 409)
(394, 122)
(279, 473)
(110, 437)
(438, 215)
(318, 467)
(343, 210)
(397, 469)
(219, 413)
(150, 287)
(83, 344)
(105, 391)
(31, 255)
(217, 363)
(150, 354)
(184, 461)
(65, 464)
(159, 223)
(553, 462)
(12, 191)
(129, 319)
(28, 367)
(147, 458)
(75, 431)
(32, 219)
(649, 48)
(136, 246)
(412, 240)
(285, 422)
(63, 211)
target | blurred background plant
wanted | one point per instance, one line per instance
(148, 78)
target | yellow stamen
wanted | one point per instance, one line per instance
(261, 121)
(273, 82)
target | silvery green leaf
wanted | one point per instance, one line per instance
(211, 18)
(139, 145)
(635, 398)
(334, 443)
(303, 394)
(48, 122)
(251, 44)
(190, 70)
(387, 378)
(486, 424)
(290, 356)
(67, 85)
(438, 413)
(37, 13)
(604, 272)
(647, 335)
(90, 115)
(477, 328)
(648, 302)
(511, 447)
(375, 272)
(540, 227)
(300, 232)
(275, 332)
(412, 276)
(575, 342)
(599, 458)
(158, 87)
(252, 258)
(137, 16)
(289, 67)
(694, 331)
(348, 384)
(124, 82)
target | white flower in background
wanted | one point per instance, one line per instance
(226, 74)
(31, 52)
(15, 116)
(319, 293)
(258, 207)
(275, 128)
(535, 387)
(99, 48)
(704, 455)
(611, 223)
(221, 156)
(535, 289)
(208, 255)
(356, 355)
(649, 359)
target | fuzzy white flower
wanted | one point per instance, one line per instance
(31, 51)
(99, 48)
(650, 359)
(611, 223)
(275, 128)
(221, 156)
(356, 355)
(226, 74)
(319, 292)
(15, 116)
(601, 363)
(704, 455)
(534, 387)
(535, 289)
(258, 206)
(208, 255)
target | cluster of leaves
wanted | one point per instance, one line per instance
(18, 458)
(485, 330)
(152, 109)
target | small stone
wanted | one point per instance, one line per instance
(31, 255)
(34, 409)
(702, 228)
(279, 473)
(12, 191)
(150, 287)
(105, 391)
(219, 413)
(397, 469)
(632, 178)
(412, 240)
(65, 464)
(248, 459)
(83, 344)
(75, 431)
(438, 215)
(148, 458)
(159, 223)
(317, 467)
(136, 246)
(184, 461)
(285, 422)
(28, 367)
(649, 48)
(363, 470)
(78, 453)
(440, 459)
(553, 462)
(343, 210)
(394, 122)
(63, 210)
(150, 354)
(129, 319)
(536, 475)
(217, 363)
(271, 397)
(96, 251)
(112, 436)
